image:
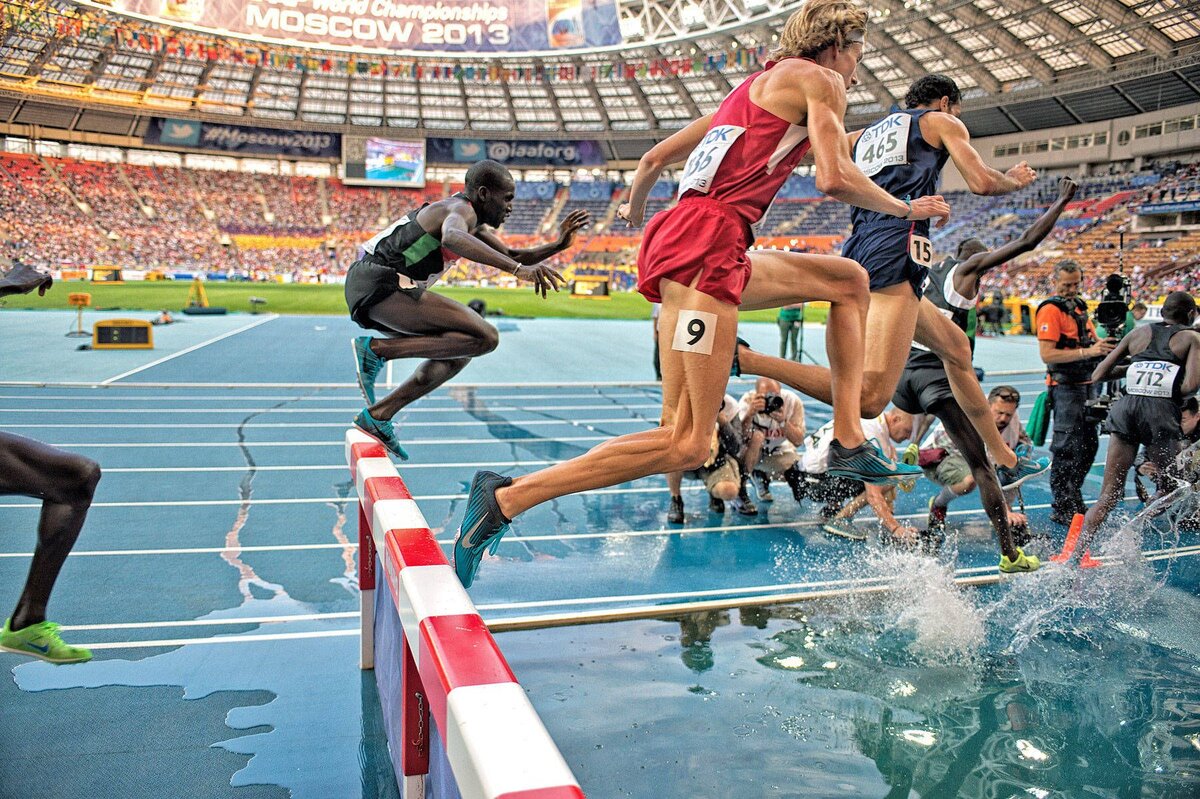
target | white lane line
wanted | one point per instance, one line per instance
(214, 622)
(231, 639)
(192, 550)
(348, 409)
(407, 442)
(340, 425)
(108, 395)
(193, 348)
(336, 467)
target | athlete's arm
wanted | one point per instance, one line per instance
(573, 222)
(968, 273)
(23, 279)
(837, 174)
(1108, 367)
(981, 178)
(670, 150)
(458, 239)
(1191, 368)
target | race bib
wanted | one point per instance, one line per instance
(1151, 379)
(883, 144)
(695, 332)
(920, 250)
(704, 161)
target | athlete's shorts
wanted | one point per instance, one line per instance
(1149, 421)
(884, 253)
(920, 389)
(367, 285)
(951, 470)
(697, 237)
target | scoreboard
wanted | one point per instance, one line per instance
(122, 334)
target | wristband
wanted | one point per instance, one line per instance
(907, 213)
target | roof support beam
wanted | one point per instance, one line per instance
(948, 46)
(989, 28)
(1137, 28)
(1062, 30)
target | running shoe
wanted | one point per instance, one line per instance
(482, 527)
(383, 431)
(736, 369)
(716, 505)
(675, 512)
(1026, 467)
(367, 364)
(867, 463)
(937, 517)
(762, 486)
(41, 641)
(844, 528)
(1023, 563)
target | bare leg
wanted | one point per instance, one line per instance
(445, 332)
(1117, 463)
(782, 278)
(65, 483)
(675, 483)
(949, 343)
(752, 452)
(693, 388)
(890, 323)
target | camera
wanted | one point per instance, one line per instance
(1096, 410)
(1114, 305)
(773, 402)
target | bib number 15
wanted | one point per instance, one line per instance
(920, 250)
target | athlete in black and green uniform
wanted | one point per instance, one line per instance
(387, 290)
(952, 287)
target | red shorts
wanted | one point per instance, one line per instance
(697, 237)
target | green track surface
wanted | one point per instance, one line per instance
(329, 299)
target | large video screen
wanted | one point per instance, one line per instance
(383, 162)
(461, 26)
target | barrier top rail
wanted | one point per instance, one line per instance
(496, 744)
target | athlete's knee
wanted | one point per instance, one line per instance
(487, 338)
(80, 478)
(875, 398)
(688, 452)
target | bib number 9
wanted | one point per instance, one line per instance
(920, 250)
(695, 331)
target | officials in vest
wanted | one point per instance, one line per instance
(1069, 347)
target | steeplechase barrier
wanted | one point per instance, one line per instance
(435, 659)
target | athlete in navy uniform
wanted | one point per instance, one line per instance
(1165, 369)
(904, 154)
(387, 290)
(924, 387)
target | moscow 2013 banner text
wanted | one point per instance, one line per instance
(442, 25)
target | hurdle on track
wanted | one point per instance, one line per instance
(434, 658)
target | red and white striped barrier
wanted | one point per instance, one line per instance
(495, 743)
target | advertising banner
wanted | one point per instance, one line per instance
(552, 152)
(469, 26)
(241, 139)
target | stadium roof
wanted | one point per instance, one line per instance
(1023, 65)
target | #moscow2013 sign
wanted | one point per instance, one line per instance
(485, 26)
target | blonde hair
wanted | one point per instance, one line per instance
(819, 24)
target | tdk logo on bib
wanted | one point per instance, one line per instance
(883, 144)
(704, 161)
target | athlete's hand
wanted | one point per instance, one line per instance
(931, 207)
(575, 221)
(1022, 174)
(541, 276)
(625, 211)
(22, 279)
(1066, 188)
(1017, 519)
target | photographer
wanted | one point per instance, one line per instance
(720, 473)
(1069, 347)
(772, 427)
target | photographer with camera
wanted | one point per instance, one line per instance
(1165, 368)
(772, 427)
(1069, 347)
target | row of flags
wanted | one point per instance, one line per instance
(43, 18)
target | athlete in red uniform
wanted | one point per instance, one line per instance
(694, 260)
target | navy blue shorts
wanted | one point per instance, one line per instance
(884, 253)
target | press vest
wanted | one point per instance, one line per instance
(1075, 372)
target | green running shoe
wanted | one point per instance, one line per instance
(41, 641)
(383, 431)
(844, 528)
(1023, 563)
(367, 364)
(482, 527)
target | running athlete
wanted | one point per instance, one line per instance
(65, 483)
(924, 387)
(694, 259)
(388, 290)
(904, 153)
(1165, 368)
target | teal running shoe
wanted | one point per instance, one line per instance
(383, 431)
(844, 528)
(483, 526)
(1026, 468)
(867, 463)
(367, 364)
(41, 641)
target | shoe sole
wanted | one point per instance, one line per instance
(877, 479)
(40, 656)
(844, 534)
(1020, 481)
